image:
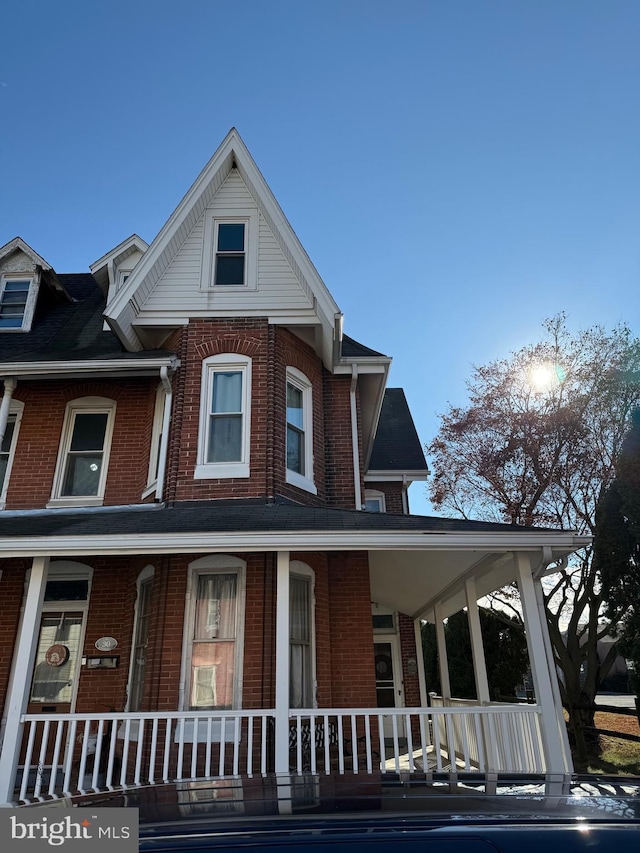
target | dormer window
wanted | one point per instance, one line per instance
(16, 303)
(230, 254)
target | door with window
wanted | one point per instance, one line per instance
(57, 664)
(389, 690)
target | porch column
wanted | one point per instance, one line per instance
(422, 682)
(282, 664)
(443, 662)
(477, 646)
(24, 659)
(552, 739)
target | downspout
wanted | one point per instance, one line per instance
(354, 437)
(166, 420)
(538, 572)
(405, 496)
(9, 387)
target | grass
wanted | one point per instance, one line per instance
(618, 757)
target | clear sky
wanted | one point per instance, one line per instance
(457, 170)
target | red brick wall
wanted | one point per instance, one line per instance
(41, 429)
(392, 495)
(338, 445)
(352, 664)
(11, 594)
(407, 651)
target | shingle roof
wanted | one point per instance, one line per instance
(68, 331)
(396, 446)
(353, 349)
(227, 517)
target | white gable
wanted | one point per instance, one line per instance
(182, 292)
(169, 283)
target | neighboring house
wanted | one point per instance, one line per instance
(208, 565)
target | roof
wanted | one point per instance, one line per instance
(228, 516)
(396, 446)
(352, 349)
(69, 331)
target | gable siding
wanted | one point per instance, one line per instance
(179, 286)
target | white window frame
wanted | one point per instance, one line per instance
(16, 408)
(299, 569)
(223, 363)
(145, 576)
(213, 564)
(241, 216)
(83, 405)
(29, 308)
(156, 437)
(375, 495)
(302, 481)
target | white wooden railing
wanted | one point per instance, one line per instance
(69, 754)
(472, 739)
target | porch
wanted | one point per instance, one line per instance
(73, 754)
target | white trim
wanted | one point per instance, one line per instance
(16, 408)
(349, 540)
(298, 380)
(301, 570)
(375, 495)
(223, 363)
(282, 664)
(30, 302)
(398, 476)
(241, 216)
(82, 405)
(213, 564)
(138, 366)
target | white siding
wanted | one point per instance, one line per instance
(178, 289)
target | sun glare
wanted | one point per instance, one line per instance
(545, 376)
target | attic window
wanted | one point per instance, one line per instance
(230, 254)
(16, 303)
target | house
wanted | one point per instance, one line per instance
(208, 562)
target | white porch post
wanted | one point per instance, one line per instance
(477, 646)
(422, 682)
(443, 662)
(552, 738)
(282, 664)
(21, 683)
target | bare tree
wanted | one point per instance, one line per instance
(535, 446)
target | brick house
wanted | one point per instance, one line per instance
(208, 562)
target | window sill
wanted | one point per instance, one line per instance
(76, 501)
(149, 490)
(221, 471)
(295, 479)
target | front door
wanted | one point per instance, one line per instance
(57, 665)
(388, 680)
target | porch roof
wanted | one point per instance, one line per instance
(414, 560)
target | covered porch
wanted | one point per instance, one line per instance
(427, 574)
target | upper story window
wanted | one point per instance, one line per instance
(17, 301)
(225, 415)
(299, 431)
(230, 251)
(374, 501)
(83, 458)
(156, 441)
(8, 447)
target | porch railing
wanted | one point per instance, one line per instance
(473, 739)
(70, 754)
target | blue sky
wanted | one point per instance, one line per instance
(457, 170)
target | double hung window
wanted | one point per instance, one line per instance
(16, 303)
(299, 431)
(230, 251)
(84, 452)
(230, 254)
(224, 417)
